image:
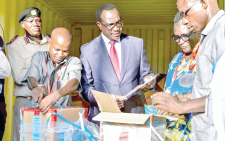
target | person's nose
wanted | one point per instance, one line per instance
(36, 23)
(60, 53)
(115, 28)
(181, 41)
(184, 21)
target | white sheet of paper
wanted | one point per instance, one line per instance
(139, 86)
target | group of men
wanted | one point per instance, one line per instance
(114, 63)
(45, 74)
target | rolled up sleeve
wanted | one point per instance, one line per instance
(74, 69)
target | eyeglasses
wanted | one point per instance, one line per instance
(111, 26)
(184, 13)
(184, 37)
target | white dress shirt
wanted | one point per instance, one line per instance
(215, 107)
(5, 69)
(117, 47)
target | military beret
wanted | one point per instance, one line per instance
(30, 12)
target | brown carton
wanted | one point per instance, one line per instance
(118, 126)
(34, 124)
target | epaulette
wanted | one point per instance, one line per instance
(12, 40)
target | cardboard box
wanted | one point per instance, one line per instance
(118, 126)
(78, 101)
(34, 124)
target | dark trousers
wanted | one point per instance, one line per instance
(2, 109)
(2, 118)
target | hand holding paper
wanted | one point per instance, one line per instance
(120, 100)
(128, 95)
(150, 84)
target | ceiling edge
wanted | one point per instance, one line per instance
(55, 11)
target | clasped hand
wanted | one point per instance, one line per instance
(44, 103)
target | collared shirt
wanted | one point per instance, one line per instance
(216, 107)
(5, 69)
(117, 47)
(211, 47)
(20, 52)
(37, 70)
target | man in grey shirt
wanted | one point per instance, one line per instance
(55, 72)
(5, 69)
(202, 16)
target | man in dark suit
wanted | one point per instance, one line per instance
(114, 63)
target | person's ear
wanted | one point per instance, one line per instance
(49, 43)
(204, 4)
(22, 24)
(99, 25)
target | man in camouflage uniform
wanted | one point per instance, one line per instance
(20, 52)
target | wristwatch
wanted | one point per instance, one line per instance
(185, 94)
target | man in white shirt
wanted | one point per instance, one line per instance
(5, 71)
(215, 108)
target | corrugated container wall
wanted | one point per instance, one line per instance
(159, 46)
(9, 13)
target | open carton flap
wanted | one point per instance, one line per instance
(129, 118)
(106, 102)
(110, 111)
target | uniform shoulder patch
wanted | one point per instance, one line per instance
(12, 40)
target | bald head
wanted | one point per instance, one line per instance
(60, 44)
(61, 35)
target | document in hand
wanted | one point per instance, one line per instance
(128, 95)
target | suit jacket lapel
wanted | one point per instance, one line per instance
(125, 53)
(101, 49)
